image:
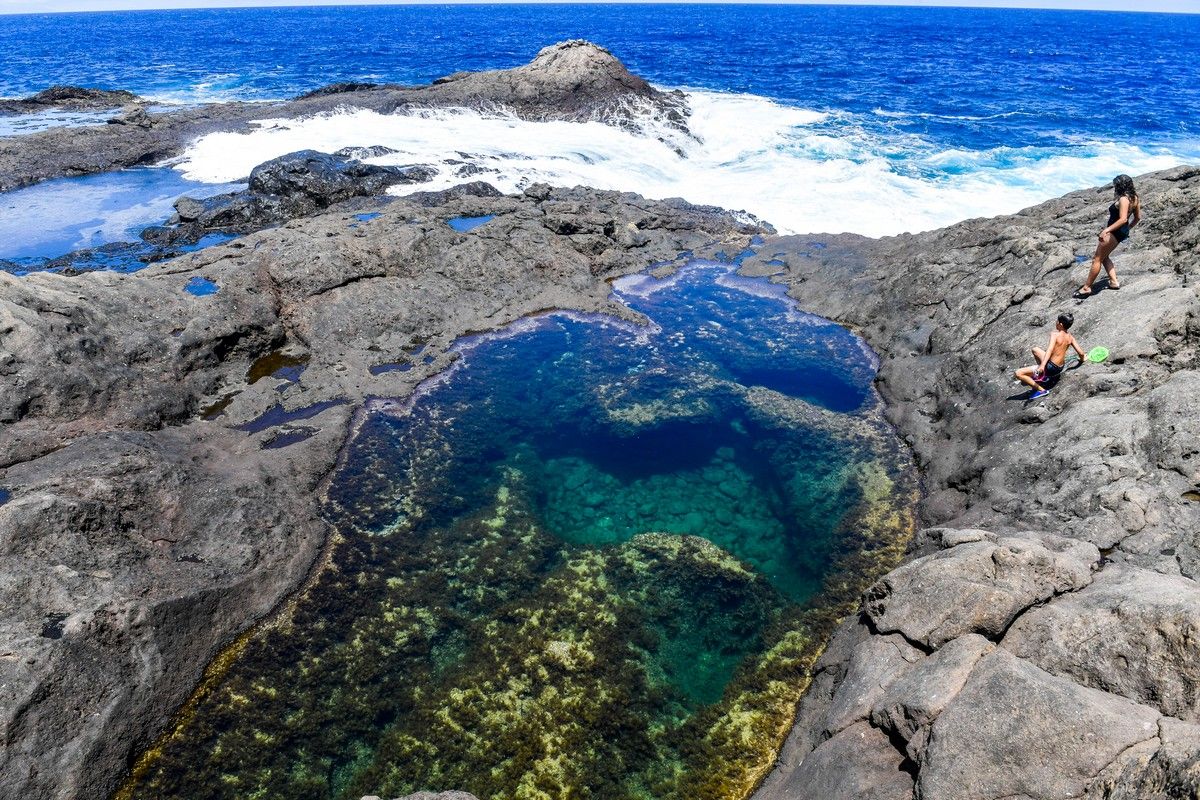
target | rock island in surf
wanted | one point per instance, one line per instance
(559, 494)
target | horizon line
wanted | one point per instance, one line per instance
(252, 5)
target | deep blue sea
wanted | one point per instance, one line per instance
(817, 118)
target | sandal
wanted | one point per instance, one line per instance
(1080, 294)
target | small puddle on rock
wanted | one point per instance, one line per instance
(5, 496)
(277, 364)
(218, 408)
(200, 287)
(464, 224)
(1193, 495)
(593, 558)
(402, 366)
(277, 415)
(53, 627)
(290, 437)
(391, 366)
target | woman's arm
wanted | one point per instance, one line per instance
(1122, 217)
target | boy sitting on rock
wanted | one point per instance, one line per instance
(1051, 360)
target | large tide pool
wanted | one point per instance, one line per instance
(592, 559)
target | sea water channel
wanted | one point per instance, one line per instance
(592, 559)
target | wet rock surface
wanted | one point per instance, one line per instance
(573, 80)
(145, 524)
(1053, 600)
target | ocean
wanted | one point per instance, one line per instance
(816, 118)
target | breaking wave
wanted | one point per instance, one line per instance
(804, 171)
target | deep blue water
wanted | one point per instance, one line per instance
(621, 430)
(971, 78)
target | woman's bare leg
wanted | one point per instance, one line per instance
(1103, 250)
(1110, 269)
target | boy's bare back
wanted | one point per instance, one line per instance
(1060, 342)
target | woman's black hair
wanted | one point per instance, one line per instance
(1123, 184)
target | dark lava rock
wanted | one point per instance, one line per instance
(324, 179)
(360, 153)
(134, 115)
(285, 188)
(73, 98)
(344, 87)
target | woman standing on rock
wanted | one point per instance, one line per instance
(1123, 214)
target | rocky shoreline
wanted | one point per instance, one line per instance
(1040, 643)
(573, 81)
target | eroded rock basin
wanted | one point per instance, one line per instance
(591, 559)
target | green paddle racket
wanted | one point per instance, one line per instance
(1097, 354)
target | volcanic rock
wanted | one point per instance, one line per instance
(145, 528)
(1055, 596)
(70, 98)
(285, 188)
(576, 81)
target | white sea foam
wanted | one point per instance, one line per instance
(801, 170)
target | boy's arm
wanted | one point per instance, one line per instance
(1049, 350)
(1075, 345)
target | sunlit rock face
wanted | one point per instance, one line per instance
(593, 559)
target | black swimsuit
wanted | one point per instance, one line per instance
(1114, 213)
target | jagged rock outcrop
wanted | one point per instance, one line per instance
(573, 80)
(69, 98)
(159, 475)
(291, 186)
(1054, 606)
